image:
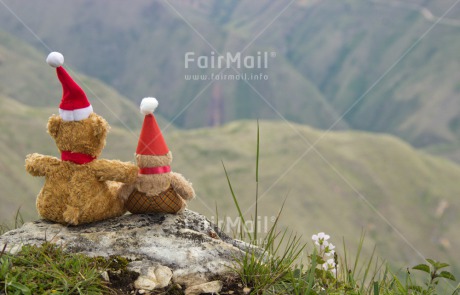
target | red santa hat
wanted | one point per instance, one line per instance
(74, 104)
(151, 141)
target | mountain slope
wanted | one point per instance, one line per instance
(327, 56)
(417, 100)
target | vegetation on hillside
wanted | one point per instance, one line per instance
(326, 56)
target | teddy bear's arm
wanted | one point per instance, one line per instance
(182, 186)
(115, 170)
(41, 165)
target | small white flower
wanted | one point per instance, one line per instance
(333, 271)
(320, 239)
(329, 249)
(329, 264)
(320, 236)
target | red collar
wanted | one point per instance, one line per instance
(76, 158)
(155, 170)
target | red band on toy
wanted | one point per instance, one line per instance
(155, 170)
(76, 158)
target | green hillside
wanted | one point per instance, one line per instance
(328, 55)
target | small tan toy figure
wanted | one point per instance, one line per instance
(79, 188)
(156, 189)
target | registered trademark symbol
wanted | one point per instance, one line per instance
(273, 54)
(273, 219)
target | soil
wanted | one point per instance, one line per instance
(122, 282)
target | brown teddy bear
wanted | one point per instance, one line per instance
(79, 188)
(156, 189)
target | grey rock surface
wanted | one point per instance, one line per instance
(188, 244)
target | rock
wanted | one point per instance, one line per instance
(151, 277)
(145, 283)
(105, 276)
(185, 246)
(212, 287)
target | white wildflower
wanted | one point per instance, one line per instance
(329, 265)
(320, 239)
(329, 249)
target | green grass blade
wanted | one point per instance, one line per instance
(257, 184)
(235, 201)
(366, 271)
(258, 150)
(376, 288)
(358, 253)
(311, 272)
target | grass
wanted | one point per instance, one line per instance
(272, 265)
(49, 270)
(261, 267)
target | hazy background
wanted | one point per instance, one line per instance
(359, 116)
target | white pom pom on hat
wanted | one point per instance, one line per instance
(148, 105)
(55, 59)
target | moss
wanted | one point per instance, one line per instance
(114, 262)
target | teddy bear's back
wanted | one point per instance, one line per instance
(71, 184)
(75, 178)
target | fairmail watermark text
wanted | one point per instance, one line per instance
(237, 60)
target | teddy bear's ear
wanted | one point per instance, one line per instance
(54, 123)
(100, 127)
